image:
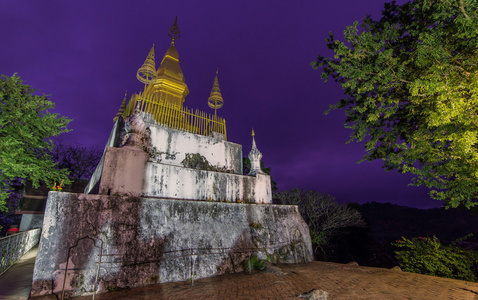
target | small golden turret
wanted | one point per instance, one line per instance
(147, 72)
(122, 108)
(215, 99)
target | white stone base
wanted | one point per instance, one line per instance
(146, 241)
(184, 183)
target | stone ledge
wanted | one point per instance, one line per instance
(147, 241)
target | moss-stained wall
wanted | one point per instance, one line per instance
(179, 182)
(172, 145)
(146, 241)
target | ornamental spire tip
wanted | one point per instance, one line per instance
(174, 30)
(215, 100)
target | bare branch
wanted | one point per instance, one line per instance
(462, 8)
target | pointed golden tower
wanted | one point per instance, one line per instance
(215, 99)
(122, 108)
(147, 72)
(169, 84)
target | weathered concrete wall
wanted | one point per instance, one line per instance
(148, 241)
(123, 171)
(170, 146)
(173, 145)
(31, 221)
(114, 140)
(179, 182)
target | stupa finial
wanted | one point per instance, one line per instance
(147, 72)
(215, 100)
(174, 30)
(122, 107)
(255, 157)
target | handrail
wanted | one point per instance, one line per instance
(13, 247)
(173, 116)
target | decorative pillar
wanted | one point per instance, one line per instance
(255, 157)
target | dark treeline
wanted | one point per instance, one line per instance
(387, 223)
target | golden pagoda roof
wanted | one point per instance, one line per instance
(172, 52)
(170, 65)
(169, 83)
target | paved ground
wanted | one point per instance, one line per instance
(339, 280)
(16, 282)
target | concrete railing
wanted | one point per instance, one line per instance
(13, 247)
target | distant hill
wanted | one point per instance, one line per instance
(389, 222)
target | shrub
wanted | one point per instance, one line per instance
(427, 255)
(254, 263)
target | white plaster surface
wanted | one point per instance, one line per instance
(184, 183)
(173, 145)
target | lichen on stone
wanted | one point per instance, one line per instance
(199, 162)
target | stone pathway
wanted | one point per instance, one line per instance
(339, 280)
(16, 282)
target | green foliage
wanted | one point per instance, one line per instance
(255, 225)
(199, 162)
(428, 256)
(196, 161)
(324, 216)
(254, 263)
(26, 127)
(411, 86)
(318, 238)
(246, 167)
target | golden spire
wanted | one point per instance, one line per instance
(215, 99)
(122, 107)
(169, 84)
(174, 30)
(147, 72)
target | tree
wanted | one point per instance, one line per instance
(246, 168)
(79, 160)
(26, 126)
(411, 91)
(324, 216)
(7, 215)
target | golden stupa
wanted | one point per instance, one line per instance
(168, 84)
(164, 93)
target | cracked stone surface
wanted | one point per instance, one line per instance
(145, 241)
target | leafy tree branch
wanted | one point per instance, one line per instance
(411, 92)
(26, 128)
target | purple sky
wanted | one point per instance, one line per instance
(85, 54)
